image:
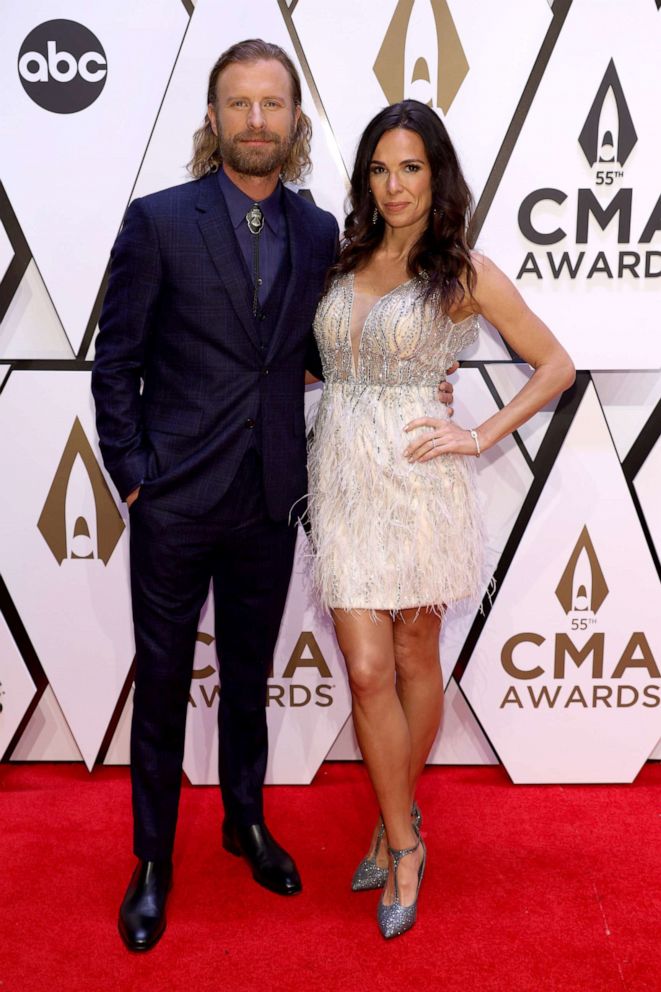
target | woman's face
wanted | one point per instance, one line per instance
(400, 179)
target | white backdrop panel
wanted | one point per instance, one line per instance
(16, 687)
(70, 201)
(74, 604)
(564, 677)
(649, 493)
(47, 736)
(6, 252)
(605, 321)
(31, 327)
(628, 399)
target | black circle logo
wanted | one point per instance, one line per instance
(62, 66)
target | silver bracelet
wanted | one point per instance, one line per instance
(473, 434)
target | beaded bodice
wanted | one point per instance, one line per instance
(402, 342)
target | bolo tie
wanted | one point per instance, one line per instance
(255, 222)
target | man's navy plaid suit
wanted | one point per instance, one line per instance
(216, 440)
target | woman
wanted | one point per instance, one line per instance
(393, 513)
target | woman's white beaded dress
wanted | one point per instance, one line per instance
(386, 534)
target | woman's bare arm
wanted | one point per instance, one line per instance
(497, 299)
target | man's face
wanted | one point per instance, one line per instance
(254, 117)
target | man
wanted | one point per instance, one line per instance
(212, 291)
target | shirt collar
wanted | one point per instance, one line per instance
(238, 204)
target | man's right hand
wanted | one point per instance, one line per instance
(446, 390)
(131, 498)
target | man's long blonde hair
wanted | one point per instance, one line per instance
(206, 153)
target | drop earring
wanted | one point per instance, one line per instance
(375, 216)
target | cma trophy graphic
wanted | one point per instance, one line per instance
(80, 519)
(608, 135)
(607, 140)
(582, 588)
(422, 57)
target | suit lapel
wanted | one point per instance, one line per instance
(300, 249)
(218, 234)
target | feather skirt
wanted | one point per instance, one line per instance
(386, 534)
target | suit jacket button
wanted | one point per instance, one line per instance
(265, 371)
(250, 423)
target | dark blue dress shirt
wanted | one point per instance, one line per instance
(273, 237)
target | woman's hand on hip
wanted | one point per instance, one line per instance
(443, 437)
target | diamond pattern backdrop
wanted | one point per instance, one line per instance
(516, 92)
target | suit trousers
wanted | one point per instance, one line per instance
(249, 559)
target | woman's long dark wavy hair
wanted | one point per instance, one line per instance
(442, 254)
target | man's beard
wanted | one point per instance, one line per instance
(250, 161)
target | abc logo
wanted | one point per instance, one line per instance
(62, 66)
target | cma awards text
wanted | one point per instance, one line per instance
(283, 691)
(637, 655)
(636, 264)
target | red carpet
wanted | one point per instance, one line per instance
(528, 889)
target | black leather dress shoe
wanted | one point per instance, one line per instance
(142, 913)
(271, 866)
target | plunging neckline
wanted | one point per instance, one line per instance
(355, 355)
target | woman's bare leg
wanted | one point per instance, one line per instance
(419, 683)
(382, 729)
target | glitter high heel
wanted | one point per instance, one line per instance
(370, 875)
(396, 919)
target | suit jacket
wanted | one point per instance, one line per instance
(177, 316)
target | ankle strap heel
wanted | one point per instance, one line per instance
(396, 919)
